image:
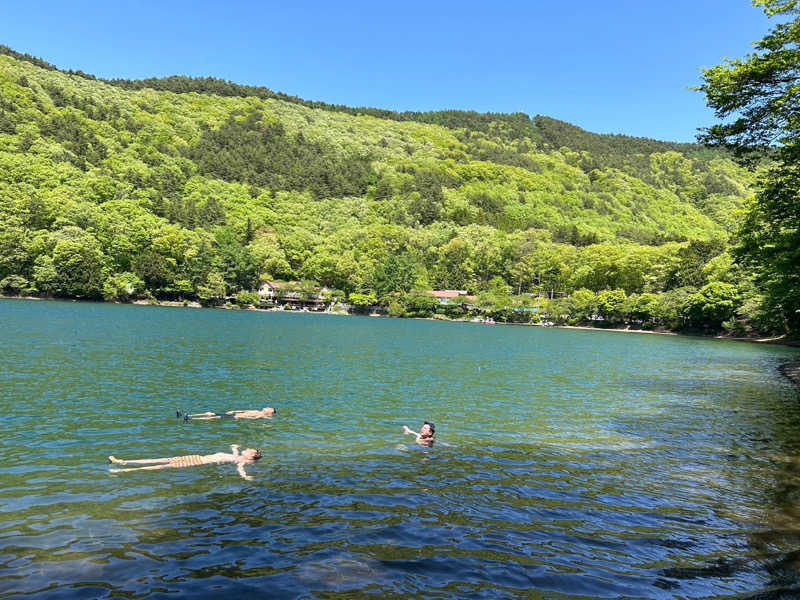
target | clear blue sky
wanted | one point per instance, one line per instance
(617, 66)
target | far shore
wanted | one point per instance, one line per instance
(792, 369)
(778, 340)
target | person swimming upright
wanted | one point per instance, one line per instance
(425, 435)
(265, 413)
(247, 456)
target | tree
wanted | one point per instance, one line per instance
(79, 264)
(496, 299)
(691, 259)
(669, 308)
(122, 287)
(420, 303)
(45, 277)
(642, 307)
(269, 258)
(245, 299)
(582, 304)
(14, 240)
(711, 305)
(761, 91)
(611, 304)
(14, 284)
(395, 274)
(213, 290)
(238, 265)
(362, 301)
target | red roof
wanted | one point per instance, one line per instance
(276, 285)
(447, 294)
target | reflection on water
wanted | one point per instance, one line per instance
(570, 464)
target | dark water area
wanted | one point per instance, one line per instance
(569, 464)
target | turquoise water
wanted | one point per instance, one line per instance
(570, 464)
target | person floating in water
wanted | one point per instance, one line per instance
(247, 456)
(265, 413)
(425, 435)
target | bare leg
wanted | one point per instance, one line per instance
(213, 416)
(153, 468)
(204, 414)
(142, 461)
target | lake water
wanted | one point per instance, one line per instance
(570, 464)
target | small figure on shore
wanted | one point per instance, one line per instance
(425, 435)
(265, 413)
(249, 455)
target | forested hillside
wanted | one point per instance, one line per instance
(200, 188)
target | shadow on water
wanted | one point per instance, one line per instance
(747, 442)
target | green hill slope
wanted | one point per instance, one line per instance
(207, 184)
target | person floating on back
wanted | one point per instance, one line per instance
(425, 435)
(265, 413)
(247, 456)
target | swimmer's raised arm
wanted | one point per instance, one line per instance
(241, 471)
(235, 449)
(425, 435)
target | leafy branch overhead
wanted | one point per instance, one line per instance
(762, 94)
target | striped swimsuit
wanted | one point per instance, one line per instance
(195, 460)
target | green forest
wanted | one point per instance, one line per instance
(201, 189)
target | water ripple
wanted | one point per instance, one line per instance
(570, 464)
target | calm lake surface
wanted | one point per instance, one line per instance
(570, 464)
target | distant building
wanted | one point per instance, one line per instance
(452, 296)
(290, 294)
(271, 289)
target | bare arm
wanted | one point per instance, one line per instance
(240, 470)
(407, 431)
(235, 449)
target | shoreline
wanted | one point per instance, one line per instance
(778, 340)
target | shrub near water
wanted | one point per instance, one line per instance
(246, 299)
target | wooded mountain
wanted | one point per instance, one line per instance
(201, 188)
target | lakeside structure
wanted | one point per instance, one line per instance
(293, 294)
(297, 295)
(450, 297)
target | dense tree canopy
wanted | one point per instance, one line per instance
(759, 96)
(194, 188)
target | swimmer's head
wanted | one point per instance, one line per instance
(428, 430)
(268, 411)
(251, 454)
